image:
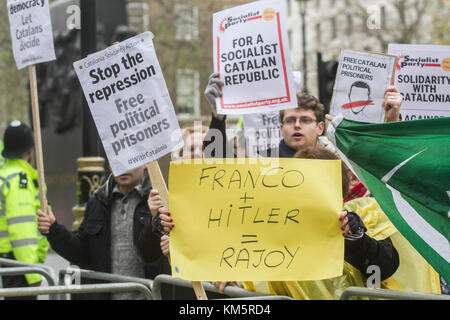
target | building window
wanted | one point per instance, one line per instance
(318, 35)
(188, 92)
(138, 16)
(383, 17)
(333, 28)
(186, 16)
(349, 24)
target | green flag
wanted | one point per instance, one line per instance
(406, 167)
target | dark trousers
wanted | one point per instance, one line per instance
(15, 282)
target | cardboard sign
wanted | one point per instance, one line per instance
(361, 79)
(252, 55)
(129, 101)
(423, 78)
(31, 31)
(261, 222)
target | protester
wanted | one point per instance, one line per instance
(115, 235)
(19, 199)
(193, 143)
(357, 189)
(300, 127)
(361, 250)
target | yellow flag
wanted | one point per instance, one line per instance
(269, 220)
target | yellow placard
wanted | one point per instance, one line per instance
(242, 220)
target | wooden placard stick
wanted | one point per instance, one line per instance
(37, 136)
(158, 183)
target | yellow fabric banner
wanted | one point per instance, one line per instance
(256, 220)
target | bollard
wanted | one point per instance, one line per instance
(91, 175)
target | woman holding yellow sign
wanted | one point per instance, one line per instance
(361, 250)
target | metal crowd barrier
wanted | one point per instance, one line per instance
(15, 271)
(110, 277)
(233, 292)
(87, 288)
(14, 263)
(14, 268)
(390, 294)
(58, 290)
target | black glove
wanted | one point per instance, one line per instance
(356, 225)
(156, 225)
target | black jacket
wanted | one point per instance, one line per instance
(90, 246)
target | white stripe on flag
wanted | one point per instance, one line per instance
(420, 226)
(389, 175)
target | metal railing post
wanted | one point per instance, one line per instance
(110, 277)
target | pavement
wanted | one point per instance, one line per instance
(56, 262)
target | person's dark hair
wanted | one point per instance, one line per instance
(325, 154)
(308, 102)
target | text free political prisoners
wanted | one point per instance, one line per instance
(136, 113)
(133, 109)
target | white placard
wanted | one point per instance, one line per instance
(262, 132)
(361, 79)
(251, 52)
(129, 102)
(423, 78)
(31, 32)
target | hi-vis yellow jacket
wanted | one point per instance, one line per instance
(413, 273)
(19, 200)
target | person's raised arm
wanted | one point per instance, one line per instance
(213, 90)
(392, 103)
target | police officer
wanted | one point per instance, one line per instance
(19, 199)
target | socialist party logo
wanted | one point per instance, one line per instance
(267, 15)
(405, 61)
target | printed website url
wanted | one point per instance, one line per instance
(146, 155)
(257, 103)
